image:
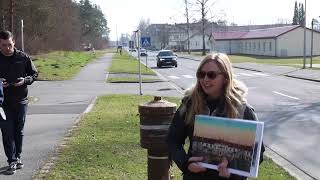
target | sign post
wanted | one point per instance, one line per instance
(146, 42)
(137, 37)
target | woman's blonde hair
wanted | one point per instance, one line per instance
(233, 91)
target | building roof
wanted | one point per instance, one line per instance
(253, 34)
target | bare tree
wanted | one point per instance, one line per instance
(143, 25)
(164, 36)
(188, 24)
(204, 7)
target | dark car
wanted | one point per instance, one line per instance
(166, 58)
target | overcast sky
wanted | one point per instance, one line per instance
(124, 15)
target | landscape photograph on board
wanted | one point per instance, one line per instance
(237, 140)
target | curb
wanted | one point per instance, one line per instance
(247, 69)
(52, 159)
(297, 77)
(292, 169)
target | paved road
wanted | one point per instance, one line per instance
(288, 106)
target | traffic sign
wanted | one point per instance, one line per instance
(145, 41)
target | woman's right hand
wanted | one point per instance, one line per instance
(194, 165)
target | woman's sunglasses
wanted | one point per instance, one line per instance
(210, 74)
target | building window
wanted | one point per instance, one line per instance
(249, 45)
(259, 46)
(270, 46)
(254, 45)
(246, 46)
(264, 46)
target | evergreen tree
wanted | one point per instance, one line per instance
(93, 23)
(301, 14)
(295, 20)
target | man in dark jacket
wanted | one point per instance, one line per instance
(16, 72)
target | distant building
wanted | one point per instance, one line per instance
(286, 41)
(175, 36)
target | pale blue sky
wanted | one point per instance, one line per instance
(124, 15)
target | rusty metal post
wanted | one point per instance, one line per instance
(155, 120)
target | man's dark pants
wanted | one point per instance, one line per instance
(12, 130)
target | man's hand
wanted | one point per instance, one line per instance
(194, 165)
(2, 114)
(20, 82)
(222, 168)
(4, 82)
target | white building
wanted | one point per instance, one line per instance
(286, 41)
(180, 42)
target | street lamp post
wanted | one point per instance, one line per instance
(311, 54)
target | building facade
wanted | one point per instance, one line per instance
(286, 41)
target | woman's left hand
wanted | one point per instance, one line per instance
(222, 168)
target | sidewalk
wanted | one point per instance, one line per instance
(299, 73)
(59, 105)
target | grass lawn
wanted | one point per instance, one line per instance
(290, 61)
(125, 63)
(106, 145)
(294, 61)
(63, 65)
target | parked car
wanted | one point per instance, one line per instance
(143, 52)
(166, 58)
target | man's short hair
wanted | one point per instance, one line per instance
(5, 35)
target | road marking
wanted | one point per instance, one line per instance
(173, 77)
(188, 76)
(245, 74)
(285, 95)
(260, 74)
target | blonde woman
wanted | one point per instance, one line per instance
(215, 93)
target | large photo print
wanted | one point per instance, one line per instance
(237, 140)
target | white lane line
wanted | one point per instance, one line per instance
(173, 77)
(188, 76)
(252, 88)
(245, 74)
(285, 95)
(260, 74)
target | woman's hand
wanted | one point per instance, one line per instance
(194, 165)
(222, 168)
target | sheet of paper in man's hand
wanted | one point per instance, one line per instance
(3, 115)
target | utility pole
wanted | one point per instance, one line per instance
(22, 38)
(304, 35)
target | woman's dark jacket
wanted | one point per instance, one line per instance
(179, 131)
